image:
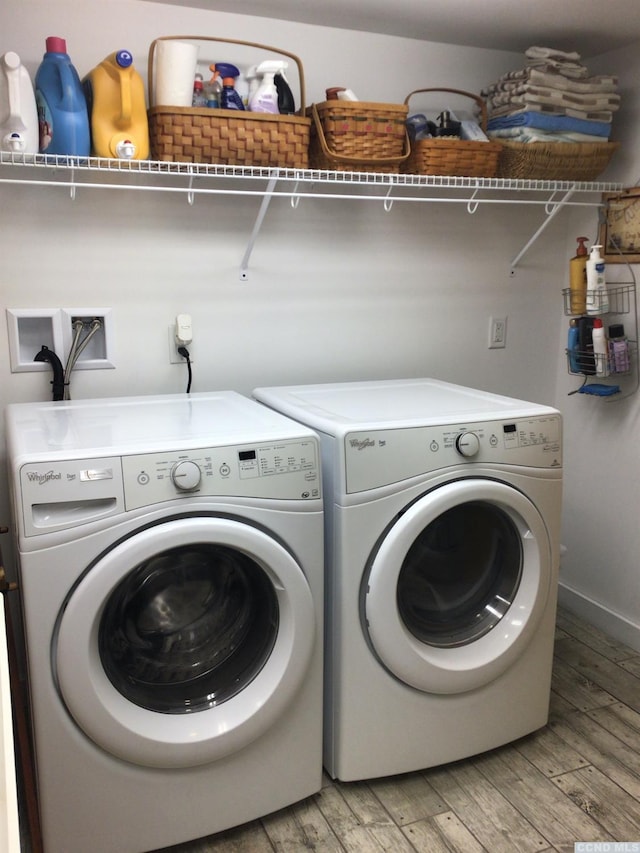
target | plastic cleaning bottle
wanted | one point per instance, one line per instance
(573, 346)
(253, 82)
(213, 89)
(578, 278)
(62, 109)
(114, 92)
(286, 102)
(619, 358)
(600, 348)
(229, 98)
(597, 295)
(199, 98)
(265, 99)
(18, 113)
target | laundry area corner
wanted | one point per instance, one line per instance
(319, 385)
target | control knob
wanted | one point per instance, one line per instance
(467, 444)
(186, 475)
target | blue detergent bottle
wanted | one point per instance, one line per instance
(62, 108)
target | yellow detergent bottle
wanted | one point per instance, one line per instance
(117, 111)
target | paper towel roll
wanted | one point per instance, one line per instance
(175, 72)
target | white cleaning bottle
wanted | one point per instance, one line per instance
(265, 98)
(597, 295)
(18, 114)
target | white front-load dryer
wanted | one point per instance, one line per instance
(442, 516)
(171, 572)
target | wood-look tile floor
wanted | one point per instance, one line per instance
(577, 779)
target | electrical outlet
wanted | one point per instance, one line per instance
(174, 355)
(497, 332)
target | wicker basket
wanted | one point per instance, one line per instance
(554, 161)
(230, 137)
(358, 136)
(447, 155)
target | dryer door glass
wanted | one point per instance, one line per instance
(461, 575)
(188, 628)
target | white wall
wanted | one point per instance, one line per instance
(337, 290)
(600, 575)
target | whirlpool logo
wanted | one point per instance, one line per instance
(362, 443)
(41, 479)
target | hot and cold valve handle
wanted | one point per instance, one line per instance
(467, 444)
(186, 475)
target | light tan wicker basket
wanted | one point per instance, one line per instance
(230, 137)
(554, 161)
(451, 156)
(358, 136)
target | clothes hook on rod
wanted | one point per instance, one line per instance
(472, 205)
(295, 197)
(388, 202)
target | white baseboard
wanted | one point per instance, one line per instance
(612, 623)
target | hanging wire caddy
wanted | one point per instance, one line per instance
(622, 302)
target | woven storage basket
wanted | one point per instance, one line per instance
(554, 161)
(358, 136)
(447, 155)
(231, 137)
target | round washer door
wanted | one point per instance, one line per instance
(185, 642)
(457, 586)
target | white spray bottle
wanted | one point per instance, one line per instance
(265, 99)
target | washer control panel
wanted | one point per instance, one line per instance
(69, 493)
(380, 457)
(283, 470)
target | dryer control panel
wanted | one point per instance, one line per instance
(287, 470)
(376, 458)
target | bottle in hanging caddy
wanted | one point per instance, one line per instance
(62, 109)
(600, 348)
(619, 358)
(18, 113)
(586, 359)
(573, 346)
(597, 295)
(578, 278)
(265, 99)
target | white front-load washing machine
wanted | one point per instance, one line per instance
(171, 570)
(442, 516)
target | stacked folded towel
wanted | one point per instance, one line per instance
(551, 99)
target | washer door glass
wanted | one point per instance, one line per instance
(461, 575)
(457, 586)
(189, 628)
(175, 655)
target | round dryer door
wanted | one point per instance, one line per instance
(185, 642)
(457, 586)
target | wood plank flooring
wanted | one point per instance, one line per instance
(577, 779)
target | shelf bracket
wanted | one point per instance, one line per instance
(551, 210)
(472, 204)
(264, 206)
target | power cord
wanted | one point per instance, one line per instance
(184, 352)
